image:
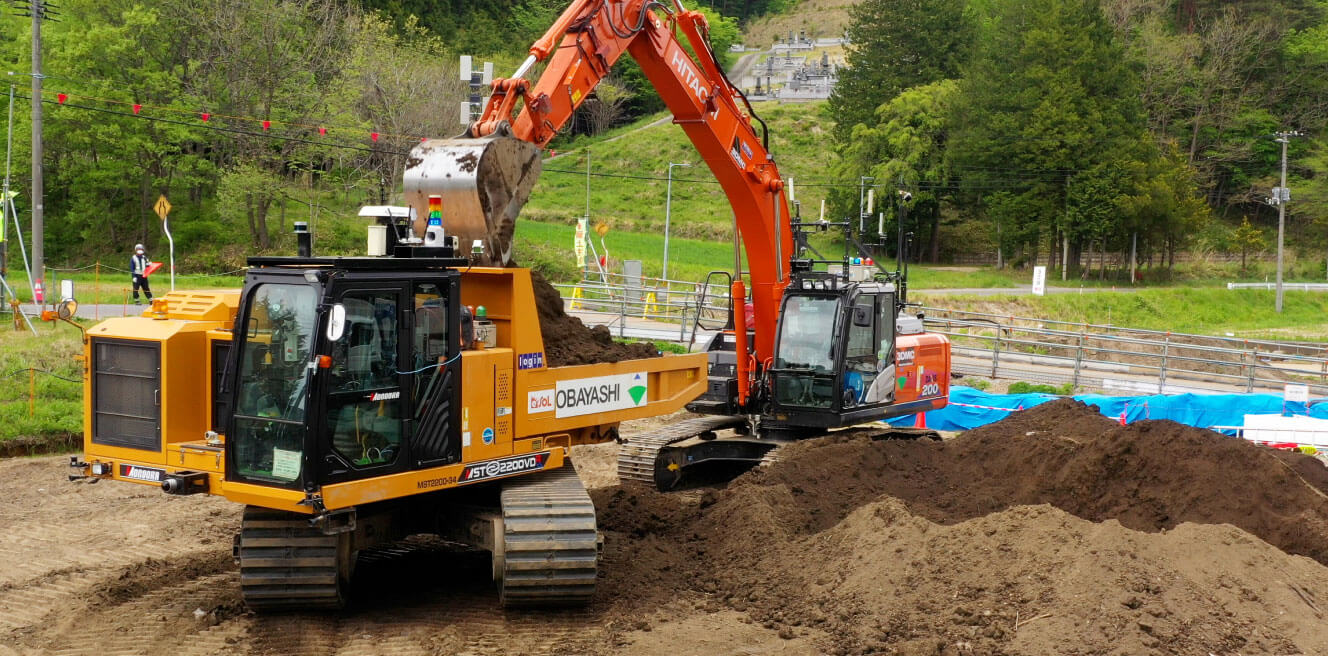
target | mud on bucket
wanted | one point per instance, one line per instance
(484, 183)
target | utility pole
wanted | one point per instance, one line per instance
(862, 217)
(668, 209)
(1281, 196)
(4, 195)
(36, 9)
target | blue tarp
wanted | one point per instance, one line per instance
(1202, 410)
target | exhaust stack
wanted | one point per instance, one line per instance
(304, 239)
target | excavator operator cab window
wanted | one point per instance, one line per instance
(273, 382)
(364, 392)
(804, 355)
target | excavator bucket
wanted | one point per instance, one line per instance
(483, 182)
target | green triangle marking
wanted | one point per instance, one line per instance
(638, 393)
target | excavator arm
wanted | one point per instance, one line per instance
(581, 48)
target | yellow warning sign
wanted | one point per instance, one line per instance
(163, 207)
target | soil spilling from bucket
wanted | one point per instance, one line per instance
(567, 341)
(1056, 531)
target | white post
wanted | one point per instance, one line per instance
(166, 225)
(668, 210)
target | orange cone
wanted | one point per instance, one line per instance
(1122, 418)
(921, 420)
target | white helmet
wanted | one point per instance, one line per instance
(138, 247)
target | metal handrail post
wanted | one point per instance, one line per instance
(1078, 359)
(1254, 362)
(1162, 375)
(996, 352)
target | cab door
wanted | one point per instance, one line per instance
(365, 390)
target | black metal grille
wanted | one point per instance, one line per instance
(126, 390)
(221, 407)
(434, 442)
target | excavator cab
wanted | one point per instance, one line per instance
(364, 409)
(834, 359)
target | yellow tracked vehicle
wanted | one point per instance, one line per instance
(341, 400)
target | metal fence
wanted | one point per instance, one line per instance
(1123, 359)
(1090, 356)
(649, 308)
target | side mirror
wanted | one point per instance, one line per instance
(862, 316)
(336, 323)
(67, 309)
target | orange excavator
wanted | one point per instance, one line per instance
(820, 350)
(350, 402)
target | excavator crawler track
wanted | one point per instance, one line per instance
(550, 546)
(286, 564)
(637, 453)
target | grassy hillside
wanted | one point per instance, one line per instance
(818, 18)
(799, 139)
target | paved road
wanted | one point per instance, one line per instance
(1022, 289)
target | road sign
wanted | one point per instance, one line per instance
(1039, 280)
(163, 207)
(602, 229)
(163, 210)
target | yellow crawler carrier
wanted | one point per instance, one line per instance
(350, 402)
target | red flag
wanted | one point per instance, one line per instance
(205, 116)
(61, 98)
(266, 125)
(137, 108)
(374, 136)
(322, 131)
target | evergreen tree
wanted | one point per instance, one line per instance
(1049, 95)
(895, 45)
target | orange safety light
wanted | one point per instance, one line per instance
(324, 362)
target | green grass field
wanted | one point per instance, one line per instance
(54, 419)
(1212, 311)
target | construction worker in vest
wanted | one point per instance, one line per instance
(138, 268)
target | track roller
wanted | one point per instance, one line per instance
(286, 564)
(549, 548)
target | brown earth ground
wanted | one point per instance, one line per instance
(1055, 532)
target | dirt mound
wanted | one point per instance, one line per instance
(1055, 528)
(1150, 475)
(567, 341)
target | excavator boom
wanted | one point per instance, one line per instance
(580, 50)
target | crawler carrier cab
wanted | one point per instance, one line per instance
(343, 401)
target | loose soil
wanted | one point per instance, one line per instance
(1054, 532)
(567, 341)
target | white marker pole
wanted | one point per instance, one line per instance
(166, 225)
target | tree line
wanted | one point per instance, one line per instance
(311, 105)
(1046, 129)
